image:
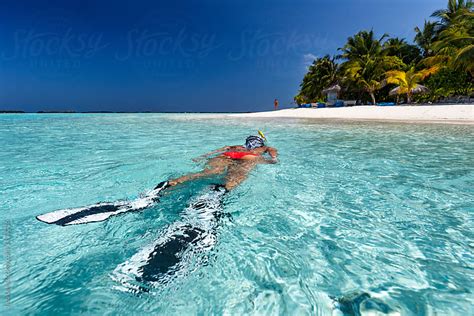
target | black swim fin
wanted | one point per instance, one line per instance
(101, 211)
(162, 185)
(178, 247)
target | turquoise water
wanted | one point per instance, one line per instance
(379, 216)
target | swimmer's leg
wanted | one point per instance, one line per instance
(214, 166)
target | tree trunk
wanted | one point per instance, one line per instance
(408, 98)
(372, 95)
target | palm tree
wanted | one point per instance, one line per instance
(425, 37)
(321, 74)
(409, 54)
(455, 46)
(367, 62)
(362, 44)
(366, 75)
(454, 10)
(408, 82)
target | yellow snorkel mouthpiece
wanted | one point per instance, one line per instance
(262, 135)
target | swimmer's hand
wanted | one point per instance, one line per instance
(272, 160)
(273, 153)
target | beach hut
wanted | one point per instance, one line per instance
(416, 90)
(332, 93)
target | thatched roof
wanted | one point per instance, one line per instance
(335, 88)
(417, 89)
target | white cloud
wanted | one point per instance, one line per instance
(308, 59)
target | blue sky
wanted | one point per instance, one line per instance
(207, 55)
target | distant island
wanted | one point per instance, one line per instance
(57, 111)
(111, 112)
(11, 111)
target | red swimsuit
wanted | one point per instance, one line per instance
(238, 154)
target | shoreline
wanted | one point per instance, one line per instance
(446, 114)
(415, 114)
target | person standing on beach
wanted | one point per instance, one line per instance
(275, 104)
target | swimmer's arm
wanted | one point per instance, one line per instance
(273, 154)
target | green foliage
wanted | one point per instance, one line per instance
(454, 9)
(366, 62)
(448, 82)
(321, 74)
(370, 67)
(363, 44)
(409, 54)
(408, 82)
(425, 37)
(455, 45)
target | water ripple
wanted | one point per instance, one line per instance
(356, 218)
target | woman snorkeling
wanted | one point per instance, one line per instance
(236, 161)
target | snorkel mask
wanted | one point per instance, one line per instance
(253, 142)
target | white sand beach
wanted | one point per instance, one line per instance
(459, 113)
